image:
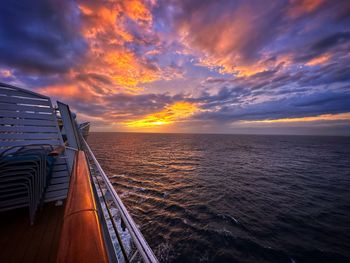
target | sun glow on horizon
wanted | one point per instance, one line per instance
(322, 117)
(171, 114)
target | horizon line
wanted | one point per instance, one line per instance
(245, 134)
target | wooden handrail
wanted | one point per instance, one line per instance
(81, 237)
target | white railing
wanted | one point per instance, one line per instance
(142, 246)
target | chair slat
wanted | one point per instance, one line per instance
(61, 161)
(59, 167)
(28, 142)
(56, 187)
(37, 123)
(61, 173)
(18, 93)
(27, 129)
(28, 101)
(4, 86)
(25, 115)
(18, 107)
(29, 136)
(59, 180)
(56, 195)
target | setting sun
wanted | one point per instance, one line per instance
(173, 113)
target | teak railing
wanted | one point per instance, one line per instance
(81, 237)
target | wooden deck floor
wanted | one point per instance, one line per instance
(20, 242)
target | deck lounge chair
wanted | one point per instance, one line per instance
(29, 133)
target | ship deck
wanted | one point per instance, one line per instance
(20, 242)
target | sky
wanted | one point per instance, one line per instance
(192, 66)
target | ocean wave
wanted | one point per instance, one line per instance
(228, 198)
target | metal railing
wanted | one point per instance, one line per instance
(141, 244)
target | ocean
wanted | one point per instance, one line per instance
(233, 198)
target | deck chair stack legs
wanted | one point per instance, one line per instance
(23, 178)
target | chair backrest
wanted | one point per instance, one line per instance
(69, 125)
(26, 118)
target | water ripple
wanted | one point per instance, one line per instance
(230, 198)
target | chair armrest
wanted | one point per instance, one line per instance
(57, 151)
(21, 148)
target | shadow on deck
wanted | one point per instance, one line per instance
(20, 242)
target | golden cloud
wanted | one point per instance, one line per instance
(323, 117)
(68, 92)
(5, 73)
(319, 60)
(300, 7)
(176, 112)
(105, 28)
(138, 11)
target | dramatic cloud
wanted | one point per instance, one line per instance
(40, 36)
(189, 65)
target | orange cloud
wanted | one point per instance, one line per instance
(319, 60)
(110, 66)
(85, 10)
(244, 69)
(323, 117)
(125, 69)
(300, 7)
(213, 46)
(69, 92)
(176, 112)
(105, 27)
(6, 73)
(229, 49)
(138, 11)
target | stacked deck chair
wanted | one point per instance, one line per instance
(33, 160)
(24, 176)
